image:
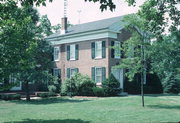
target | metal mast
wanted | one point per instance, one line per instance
(65, 8)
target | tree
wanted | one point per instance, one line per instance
(151, 19)
(45, 27)
(23, 50)
(134, 60)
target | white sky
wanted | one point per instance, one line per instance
(89, 11)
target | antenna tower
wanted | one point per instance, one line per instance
(79, 11)
(65, 8)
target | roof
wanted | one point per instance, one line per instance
(91, 26)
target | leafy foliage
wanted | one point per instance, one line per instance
(79, 84)
(22, 49)
(99, 92)
(52, 88)
(46, 94)
(105, 4)
(111, 86)
(10, 96)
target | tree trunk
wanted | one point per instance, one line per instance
(142, 89)
(27, 91)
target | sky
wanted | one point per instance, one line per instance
(89, 11)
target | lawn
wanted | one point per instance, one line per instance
(158, 108)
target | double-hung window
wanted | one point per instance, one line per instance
(12, 78)
(72, 52)
(57, 73)
(56, 53)
(98, 74)
(98, 49)
(71, 72)
(117, 51)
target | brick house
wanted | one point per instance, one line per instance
(86, 48)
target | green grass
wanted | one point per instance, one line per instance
(158, 108)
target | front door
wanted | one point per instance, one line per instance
(118, 74)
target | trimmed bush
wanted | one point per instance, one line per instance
(68, 88)
(111, 86)
(52, 88)
(10, 96)
(46, 94)
(78, 85)
(99, 92)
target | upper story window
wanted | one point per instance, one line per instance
(56, 54)
(117, 51)
(73, 52)
(98, 49)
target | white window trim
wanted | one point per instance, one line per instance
(74, 58)
(54, 70)
(98, 83)
(99, 57)
(71, 72)
(58, 53)
(115, 50)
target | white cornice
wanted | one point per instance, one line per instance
(105, 33)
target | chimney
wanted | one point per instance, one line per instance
(63, 25)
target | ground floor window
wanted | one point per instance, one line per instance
(57, 73)
(98, 74)
(71, 72)
(13, 78)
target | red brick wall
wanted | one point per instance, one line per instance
(85, 62)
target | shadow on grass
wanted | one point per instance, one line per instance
(49, 101)
(160, 95)
(164, 106)
(49, 121)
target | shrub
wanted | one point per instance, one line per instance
(52, 88)
(10, 96)
(99, 92)
(170, 84)
(68, 88)
(7, 87)
(79, 84)
(111, 86)
(84, 85)
(153, 85)
(46, 94)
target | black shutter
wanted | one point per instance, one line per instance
(77, 70)
(68, 52)
(93, 73)
(77, 52)
(68, 72)
(93, 50)
(103, 74)
(59, 73)
(52, 71)
(112, 49)
(52, 54)
(103, 49)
